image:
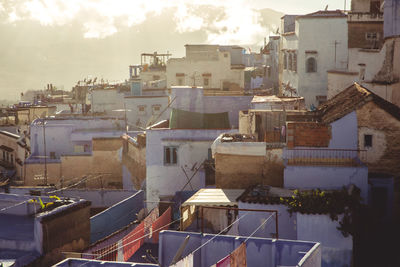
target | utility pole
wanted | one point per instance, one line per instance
(45, 152)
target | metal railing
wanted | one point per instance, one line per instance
(336, 157)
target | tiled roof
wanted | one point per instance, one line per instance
(350, 99)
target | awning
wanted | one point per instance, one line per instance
(214, 197)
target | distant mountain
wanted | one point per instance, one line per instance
(32, 55)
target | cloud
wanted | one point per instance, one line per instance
(224, 21)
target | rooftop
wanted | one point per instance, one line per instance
(214, 196)
(325, 14)
(350, 99)
(274, 98)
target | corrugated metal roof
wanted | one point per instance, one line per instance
(214, 197)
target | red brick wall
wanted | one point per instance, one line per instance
(310, 134)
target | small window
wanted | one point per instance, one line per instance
(12, 159)
(179, 81)
(311, 65)
(290, 64)
(7, 157)
(53, 154)
(156, 109)
(367, 140)
(371, 36)
(4, 155)
(285, 62)
(170, 155)
(142, 109)
(206, 81)
(156, 77)
(294, 68)
(225, 54)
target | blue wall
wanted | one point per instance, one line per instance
(259, 250)
(94, 263)
(391, 18)
(115, 217)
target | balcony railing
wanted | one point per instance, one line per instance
(335, 157)
(355, 16)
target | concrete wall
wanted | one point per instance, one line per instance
(327, 30)
(152, 105)
(193, 99)
(344, 132)
(241, 171)
(98, 198)
(258, 250)
(392, 18)
(63, 134)
(65, 232)
(194, 67)
(165, 180)
(385, 130)
(106, 100)
(326, 177)
(115, 217)
(133, 165)
(286, 223)
(336, 249)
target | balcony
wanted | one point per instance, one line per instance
(362, 17)
(324, 157)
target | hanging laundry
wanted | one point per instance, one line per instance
(162, 223)
(131, 242)
(108, 253)
(148, 221)
(238, 256)
(185, 262)
(225, 262)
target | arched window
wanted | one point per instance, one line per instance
(290, 62)
(311, 65)
(285, 61)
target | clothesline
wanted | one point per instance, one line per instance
(111, 251)
(258, 228)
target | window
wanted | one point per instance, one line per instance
(225, 54)
(367, 140)
(142, 109)
(371, 36)
(206, 81)
(4, 155)
(179, 81)
(12, 159)
(156, 109)
(285, 62)
(156, 77)
(311, 65)
(294, 68)
(290, 64)
(53, 154)
(170, 155)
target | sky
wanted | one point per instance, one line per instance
(39, 35)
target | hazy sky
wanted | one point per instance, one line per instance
(39, 35)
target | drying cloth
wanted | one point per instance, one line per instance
(225, 262)
(131, 243)
(148, 222)
(162, 223)
(185, 262)
(238, 256)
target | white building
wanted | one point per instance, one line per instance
(373, 50)
(174, 161)
(211, 66)
(317, 44)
